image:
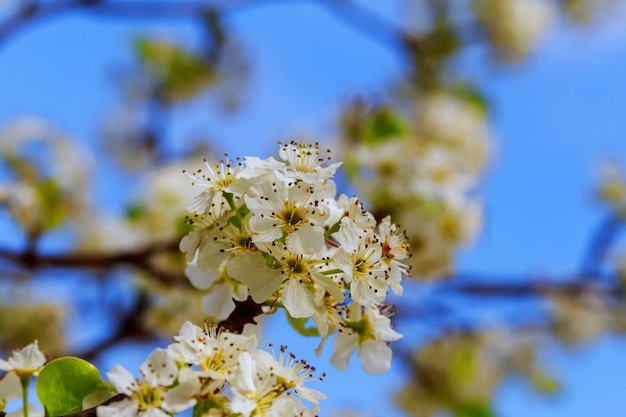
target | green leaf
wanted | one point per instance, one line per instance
(473, 409)
(99, 396)
(49, 196)
(135, 211)
(473, 97)
(543, 382)
(64, 383)
(179, 74)
(385, 124)
(299, 325)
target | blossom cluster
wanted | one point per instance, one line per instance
(275, 231)
(218, 374)
(425, 178)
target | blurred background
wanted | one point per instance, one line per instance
(493, 131)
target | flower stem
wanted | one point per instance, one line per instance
(231, 202)
(25, 382)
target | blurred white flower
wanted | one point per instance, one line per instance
(25, 362)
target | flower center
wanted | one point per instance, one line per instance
(148, 396)
(292, 215)
(215, 362)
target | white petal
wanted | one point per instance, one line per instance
(244, 380)
(124, 408)
(306, 240)
(211, 254)
(188, 331)
(199, 279)
(29, 358)
(249, 268)
(310, 395)
(375, 357)
(159, 369)
(298, 299)
(343, 347)
(343, 261)
(361, 292)
(242, 405)
(153, 412)
(189, 243)
(348, 235)
(219, 303)
(122, 380)
(183, 354)
(264, 229)
(288, 406)
(329, 285)
(10, 387)
(180, 397)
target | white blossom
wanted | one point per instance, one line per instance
(214, 352)
(304, 162)
(369, 333)
(360, 259)
(26, 361)
(283, 208)
(153, 396)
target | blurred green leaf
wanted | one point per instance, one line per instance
(543, 382)
(135, 212)
(50, 199)
(470, 95)
(178, 73)
(473, 409)
(384, 124)
(299, 325)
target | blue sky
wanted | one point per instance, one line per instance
(555, 119)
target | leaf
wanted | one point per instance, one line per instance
(64, 383)
(49, 197)
(98, 397)
(299, 325)
(135, 212)
(543, 382)
(472, 96)
(385, 124)
(473, 409)
(179, 74)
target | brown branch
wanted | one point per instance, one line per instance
(142, 259)
(502, 288)
(131, 327)
(91, 412)
(245, 312)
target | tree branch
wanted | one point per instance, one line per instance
(361, 19)
(142, 259)
(599, 245)
(490, 288)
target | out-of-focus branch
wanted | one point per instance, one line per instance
(364, 20)
(497, 288)
(599, 246)
(141, 259)
(33, 10)
(131, 327)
